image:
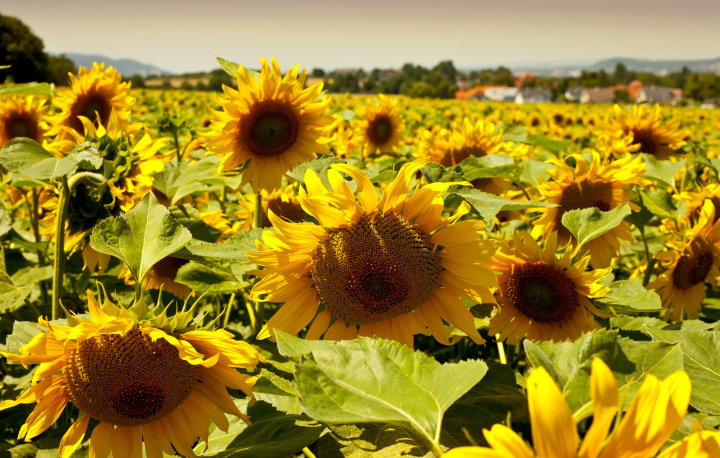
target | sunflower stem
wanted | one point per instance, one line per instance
(649, 259)
(34, 220)
(308, 453)
(59, 261)
(519, 184)
(501, 349)
(258, 209)
(228, 309)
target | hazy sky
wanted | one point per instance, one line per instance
(183, 35)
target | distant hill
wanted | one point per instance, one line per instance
(659, 66)
(127, 67)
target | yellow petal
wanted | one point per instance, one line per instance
(604, 393)
(74, 436)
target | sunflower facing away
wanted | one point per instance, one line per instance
(604, 186)
(392, 268)
(655, 412)
(381, 127)
(158, 383)
(274, 124)
(693, 261)
(22, 117)
(283, 202)
(656, 136)
(542, 297)
(95, 92)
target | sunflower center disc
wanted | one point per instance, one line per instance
(542, 293)
(380, 129)
(456, 156)
(291, 210)
(377, 268)
(270, 128)
(128, 380)
(89, 106)
(646, 142)
(580, 195)
(19, 128)
(693, 266)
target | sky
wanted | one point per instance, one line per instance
(185, 36)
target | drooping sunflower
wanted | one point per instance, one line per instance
(274, 124)
(381, 128)
(283, 203)
(157, 383)
(94, 92)
(22, 117)
(604, 186)
(543, 298)
(692, 261)
(452, 146)
(656, 135)
(391, 269)
(655, 412)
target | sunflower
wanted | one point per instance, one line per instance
(656, 136)
(451, 147)
(692, 262)
(655, 412)
(603, 186)
(273, 123)
(382, 126)
(695, 200)
(160, 276)
(542, 297)
(391, 269)
(94, 92)
(22, 117)
(283, 203)
(158, 383)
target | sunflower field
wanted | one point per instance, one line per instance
(275, 271)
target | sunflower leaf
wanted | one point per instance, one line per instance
(664, 171)
(494, 165)
(590, 223)
(26, 156)
(43, 89)
(515, 134)
(377, 381)
(205, 278)
(701, 362)
(661, 203)
(321, 166)
(489, 205)
(569, 364)
(231, 68)
(141, 237)
(231, 250)
(629, 296)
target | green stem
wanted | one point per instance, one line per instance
(177, 146)
(59, 261)
(258, 209)
(34, 220)
(501, 350)
(308, 453)
(226, 321)
(519, 184)
(649, 259)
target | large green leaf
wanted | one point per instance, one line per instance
(377, 381)
(488, 205)
(494, 165)
(590, 223)
(628, 296)
(272, 434)
(515, 134)
(26, 156)
(321, 166)
(664, 171)
(43, 89)
(189, 216)
(630, 361)
(206, 278)
(231, 250)
(661, 203)
(554, 146)
(141, 237)
(702, 363)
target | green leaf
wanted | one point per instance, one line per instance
(515, 134)
(641, 218)
(664, 171)
(377, 381)
(31, 275)
(231, 69)
(271, 434)
(630, 361)
(386, 176)
(211, 279)
(278, 391)
(435, 173)
(320, 166)
(43, 89)
(488, 205)
(590, 223)
(26, 156)
(629, 296)
(23, 333)
(534, 171)
(661, 203)
(554, 146)
(141, 237)
(189, 216)
(494, 165)
(231, 250)
(702, 364)
(13, 297)
(5, 223)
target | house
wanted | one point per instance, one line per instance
(654, 94)
(633, 88)
(598, 95)
(501, 94)
(709, 103)
(528, 95)
(573, 94)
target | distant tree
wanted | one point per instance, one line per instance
(166, 84)
(218, 77)
(621, 73)
(137, 81)
(58, 69)
(421, 89)
(23, 51)
(200, 86)
(318, 73)
(186, 85)
(622, 96)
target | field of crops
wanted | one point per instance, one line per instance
(274, 271)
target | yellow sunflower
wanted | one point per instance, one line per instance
(693, 261)
(656, 136)
(274, 124)
(392, 269)
(22, 117)
(451, 147)
(604, 186)
(94, 92)
(655, 412)
(542, 297)
(695, 201)
(160, 276)
(381, 128)
(283, 203)
(155, 384)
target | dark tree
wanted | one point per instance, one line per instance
(58, 69)
(23, 51)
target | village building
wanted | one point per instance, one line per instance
(528, 95)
